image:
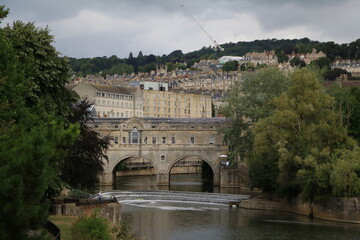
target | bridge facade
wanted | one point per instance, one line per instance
(163, 142)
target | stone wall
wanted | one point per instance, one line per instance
(335, 209)
(111, 211)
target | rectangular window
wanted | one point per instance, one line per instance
(163, 140)
(173, 140)
(116, 140)
(145, 140)
(211, 141)
(124, 140)
(192, 140)
(153, 140)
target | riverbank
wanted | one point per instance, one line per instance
(335, 209)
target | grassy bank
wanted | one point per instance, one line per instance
(64, 223)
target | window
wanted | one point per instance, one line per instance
(163, 140)
(145, 140)
(96, 126)
(153, 140)
(116, 126)
(173, 140)
(192, 140)
(134, 136)
(192, 127)
(116, 140)
(162, 158)
(124, 140)
(211, 141)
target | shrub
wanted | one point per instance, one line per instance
(93, 227)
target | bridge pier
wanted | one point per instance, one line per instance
(163, 179)
(106, 179)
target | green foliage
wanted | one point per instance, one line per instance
(77, 194)
(345, 176)
(323, 62)
(332, 74)
(33, 139)
(282, 47)
(3, 12)
(119, 69)
(297, 62)
(84, 161)
(282, 57)
(44, 70)
(248, 101)
(27, 158)
(93, 227)
(230, 66)
(300, 137)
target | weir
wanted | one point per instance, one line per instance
(214, 198)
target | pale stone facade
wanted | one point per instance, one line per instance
(112, 101)
(176, 105)
(162, 143)
(307, 57)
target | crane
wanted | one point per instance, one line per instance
(216, 45)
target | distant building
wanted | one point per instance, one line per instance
(307, 57)
(225, 59)
(147, 85)
(112, 101)
(176, 105)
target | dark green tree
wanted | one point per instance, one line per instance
(32, 142)
(85, 159)
(230, 66)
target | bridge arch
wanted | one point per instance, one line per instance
(189, 156)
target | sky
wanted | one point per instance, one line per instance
(96, 28)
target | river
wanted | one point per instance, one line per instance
(163, 220)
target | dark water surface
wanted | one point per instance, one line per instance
(161, 220)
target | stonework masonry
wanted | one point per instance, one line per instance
(163, 142)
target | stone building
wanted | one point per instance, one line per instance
(112, 101)
(307, 57)
(176, 105)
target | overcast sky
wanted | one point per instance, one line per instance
(90, 28)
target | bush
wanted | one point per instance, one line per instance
(77, 194)
(93, 227)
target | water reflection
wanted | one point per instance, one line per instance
(174, 221)
(163, 220)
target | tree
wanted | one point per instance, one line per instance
(85, 159)
(323, 62)
(300, 137)
(282, 57)
(230, 66)
(248, 101)
(32, 139)
(332, 74)
(297, 62)
(46, 72)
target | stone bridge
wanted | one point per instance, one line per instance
(162, 142)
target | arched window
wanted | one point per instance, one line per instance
(134, 135)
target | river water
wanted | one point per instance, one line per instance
(162, 220)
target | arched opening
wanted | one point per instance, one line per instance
(135, 173)
(134, 136)
(191, 173)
